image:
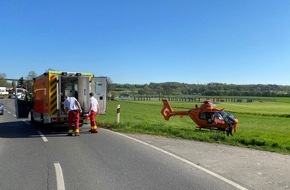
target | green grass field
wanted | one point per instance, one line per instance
(263, 124)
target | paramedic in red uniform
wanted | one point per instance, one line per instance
(94, 107)
(73, 108)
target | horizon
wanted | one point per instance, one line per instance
(10, 79)
(196, 83)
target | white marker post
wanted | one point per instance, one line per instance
(118, 113)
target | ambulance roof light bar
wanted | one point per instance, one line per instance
(70, 74)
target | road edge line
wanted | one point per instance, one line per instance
(185, 161)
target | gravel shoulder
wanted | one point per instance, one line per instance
(250, 168)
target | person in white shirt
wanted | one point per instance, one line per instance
(94, 108)
(73, 108)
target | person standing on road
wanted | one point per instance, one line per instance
(73, 108)
(94, 108)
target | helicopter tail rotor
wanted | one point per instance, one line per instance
(167, 110)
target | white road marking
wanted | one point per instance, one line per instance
(42, 136)
(185, 161)
(39, 132)
(59, 177)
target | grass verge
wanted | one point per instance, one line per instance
(262, 125)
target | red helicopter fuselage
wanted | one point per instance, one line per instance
(205, 116)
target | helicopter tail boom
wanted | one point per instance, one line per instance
(167, 110)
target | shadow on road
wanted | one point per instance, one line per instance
(20, 129)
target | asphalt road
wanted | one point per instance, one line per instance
(35, 158)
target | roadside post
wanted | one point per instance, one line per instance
(118, 113)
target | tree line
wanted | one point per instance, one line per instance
(210, 89)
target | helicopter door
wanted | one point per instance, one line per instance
(99, 88)
(23, 103)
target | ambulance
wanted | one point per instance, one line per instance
(45, 104)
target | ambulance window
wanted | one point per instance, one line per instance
(99, 88)
(76, 87)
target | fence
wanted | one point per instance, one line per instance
(187, 99)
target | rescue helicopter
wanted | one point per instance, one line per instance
(205, 116)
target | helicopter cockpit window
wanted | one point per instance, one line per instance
(219, 116)
(229, 118)
(212, 117)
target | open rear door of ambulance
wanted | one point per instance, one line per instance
(23, 103)
(99, 88)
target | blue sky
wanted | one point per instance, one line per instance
(143, 41)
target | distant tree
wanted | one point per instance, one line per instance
(31, 75)
(146, 89)
(168, 90)
(110, 87)
(13, 84)
(3, 81)
(141, 92)
(29, 80)
(133, 89)
(109, 80)
(21, 83)
(159, 91)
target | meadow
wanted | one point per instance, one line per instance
(263, 124)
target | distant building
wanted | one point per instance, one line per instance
(124, 97)
(3, 92)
